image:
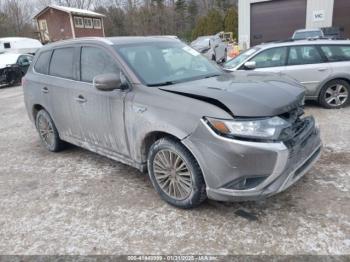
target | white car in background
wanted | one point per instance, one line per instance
(19, 45)
(212, 47)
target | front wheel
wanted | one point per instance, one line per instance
(335, 94)
(175, 174)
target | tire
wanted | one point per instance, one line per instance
(213, 58)
(187, 190)
(48, 132)
(335, 94)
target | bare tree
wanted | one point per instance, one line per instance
(18, 16)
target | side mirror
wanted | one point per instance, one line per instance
(250, 65)
(107, 82)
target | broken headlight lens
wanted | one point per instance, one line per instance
(266, 128)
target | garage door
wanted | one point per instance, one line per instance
(341, 17)
(276, 20)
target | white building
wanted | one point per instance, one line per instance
(271, 20)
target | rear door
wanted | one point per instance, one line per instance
(307, 65)
(63, 77)
(338, 56)
(100, 113)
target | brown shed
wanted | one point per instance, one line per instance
(59, 22)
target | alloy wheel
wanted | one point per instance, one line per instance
(46, 131)
(172, 174)
(336, 95)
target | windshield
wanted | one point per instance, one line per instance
(165, 63)
(307, 34)
(240, 58)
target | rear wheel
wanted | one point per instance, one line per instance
(175, 174)
(48, 132)
(335, 94)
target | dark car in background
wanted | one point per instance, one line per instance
(158, 105)
(13, 67)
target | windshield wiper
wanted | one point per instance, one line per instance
(212, 75)
(167, 83)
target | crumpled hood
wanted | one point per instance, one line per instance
(245, 94)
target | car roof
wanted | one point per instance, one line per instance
(308, 30)
(303, 42)
(9, 55)
(119, 40)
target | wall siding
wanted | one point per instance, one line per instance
(57, 20)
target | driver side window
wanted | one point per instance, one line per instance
(271, 57)
(95, 61)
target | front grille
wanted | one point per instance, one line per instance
(245, 183)
(297, 124)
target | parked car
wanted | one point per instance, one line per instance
(20, 45)
(321, 66)
(212, 47)
(308, 34)
(200, 132)
(13, 67)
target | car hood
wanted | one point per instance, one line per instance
(245, 94)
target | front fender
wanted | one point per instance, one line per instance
(149, 110)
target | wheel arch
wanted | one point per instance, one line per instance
(35, 109)
(152, 137)
(344, 77)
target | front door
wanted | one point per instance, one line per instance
(270, 60)
(100, 113)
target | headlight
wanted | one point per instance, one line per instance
(266, 128)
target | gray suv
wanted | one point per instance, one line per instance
(158, 105)
(321, 66)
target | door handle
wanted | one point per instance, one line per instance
(322, 69)
(81, 99)
(45, 90)
(139, 109)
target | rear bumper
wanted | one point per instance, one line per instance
(276, 165)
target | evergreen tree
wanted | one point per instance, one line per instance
(214, 22)
(231, 22)
(201, 27)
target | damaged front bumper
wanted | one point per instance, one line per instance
(236, 170)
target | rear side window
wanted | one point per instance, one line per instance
(271, 57)
(62, 63)
(95, 61)
(301, 55)
(335, 53)
(42, 64)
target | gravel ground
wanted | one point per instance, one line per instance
(77, 202)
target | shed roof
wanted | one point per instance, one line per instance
(70, 10)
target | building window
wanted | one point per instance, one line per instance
(88, 22)
(97, 23)
(78, 21)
